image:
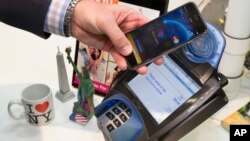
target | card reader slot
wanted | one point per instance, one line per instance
(193, 120)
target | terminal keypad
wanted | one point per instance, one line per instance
(117, 115)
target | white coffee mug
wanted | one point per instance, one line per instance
(38, 105)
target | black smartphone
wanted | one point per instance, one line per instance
(165, 34)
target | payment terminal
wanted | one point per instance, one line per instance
(166, 103)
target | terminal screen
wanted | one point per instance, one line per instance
(163, 89)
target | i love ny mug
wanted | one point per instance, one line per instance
(37, 101)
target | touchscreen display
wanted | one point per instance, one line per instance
(163, 89)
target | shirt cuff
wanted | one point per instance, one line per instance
(55, 17)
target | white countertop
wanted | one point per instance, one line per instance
(60, 129)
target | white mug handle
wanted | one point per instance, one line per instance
(11, 113)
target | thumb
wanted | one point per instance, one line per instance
(118, 39)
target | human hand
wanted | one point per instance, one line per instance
(103, 26)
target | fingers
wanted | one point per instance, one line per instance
(134, 22)
(142, 70)
(120, 60)
(159, 61)
(118, 38)
(122, 64)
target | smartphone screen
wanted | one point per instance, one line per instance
(165, 34)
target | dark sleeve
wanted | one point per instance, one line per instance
(28, 15)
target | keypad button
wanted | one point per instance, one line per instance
(117, 123)
(123, 106)
(110, 115)
(116, 110)
(123, 117)
(110, 127)
(129, 112)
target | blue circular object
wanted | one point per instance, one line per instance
(208, 48)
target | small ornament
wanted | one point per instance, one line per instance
(83, 109)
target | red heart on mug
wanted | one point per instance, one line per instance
(42, 107)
